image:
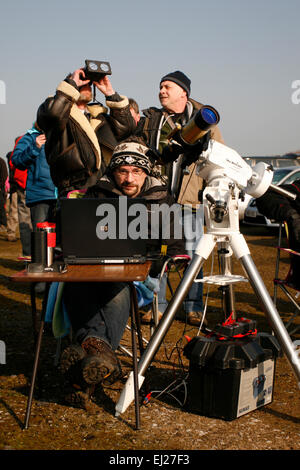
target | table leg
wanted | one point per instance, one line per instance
(35, 321)
(36, 358)
(134, 314)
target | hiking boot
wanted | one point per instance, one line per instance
(70, 363)
(148, 317)
(195, 319)
(101, 364)
(96, 369)
(78, 398)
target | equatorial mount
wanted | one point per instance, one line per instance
(227, 176)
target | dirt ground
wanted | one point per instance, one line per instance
(165, 424)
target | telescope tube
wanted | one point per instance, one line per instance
(205, 119)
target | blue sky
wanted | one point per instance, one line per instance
(242, 58)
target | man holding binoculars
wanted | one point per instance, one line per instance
(184, 183)
(82, 136)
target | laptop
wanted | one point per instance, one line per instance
(104, 231)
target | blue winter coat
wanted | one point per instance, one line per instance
(27, 155)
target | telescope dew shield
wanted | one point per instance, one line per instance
(205, 119)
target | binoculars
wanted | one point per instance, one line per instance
(94, 70)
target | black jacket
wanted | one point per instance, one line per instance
(79, 147)
(276, 206)
(3, 173)
(282, 209)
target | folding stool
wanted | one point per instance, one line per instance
(287, 284)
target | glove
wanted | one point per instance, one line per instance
(192, 152)
(170, 153)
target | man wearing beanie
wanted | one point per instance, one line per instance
(155, 126)
(99, 312)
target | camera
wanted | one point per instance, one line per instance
(95, 70)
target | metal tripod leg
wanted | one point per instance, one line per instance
(275, 321)
(226, 269)
(135, 329)
(241, 251)
(160, 332)
(205, 247)
(169, 315)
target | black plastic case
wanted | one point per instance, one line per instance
(229, 378)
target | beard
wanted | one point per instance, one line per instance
(130, 190)
(85, 97)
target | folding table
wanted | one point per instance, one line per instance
(89, 273)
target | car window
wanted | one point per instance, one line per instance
(276, 162)
(290, 179)
(287, 162)
(279, 174)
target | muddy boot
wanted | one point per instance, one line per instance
(195, 319)
(71, 358)
(79, 398)
(76, 392)
(101, 364)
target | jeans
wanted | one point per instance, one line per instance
(12, 219)
(25, 225)
(42, 212)
(98, 309)
(192, 222)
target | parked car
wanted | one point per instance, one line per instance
(281, 176)
(277, 161)
(290, 159)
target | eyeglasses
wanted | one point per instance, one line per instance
(135, 173)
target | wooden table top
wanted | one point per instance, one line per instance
(89, 273)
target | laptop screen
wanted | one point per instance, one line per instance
(99, 231)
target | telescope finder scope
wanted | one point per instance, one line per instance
(205, 119)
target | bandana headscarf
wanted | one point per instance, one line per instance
(130, 153)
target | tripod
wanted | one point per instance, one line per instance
(220, 201)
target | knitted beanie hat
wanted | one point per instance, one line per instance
(130, 153)
(180, 79)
